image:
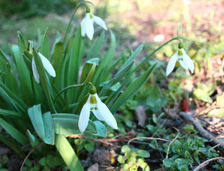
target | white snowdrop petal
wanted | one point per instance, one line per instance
(83, 26)
(47, 65)
(188, 61)
(171, 63)
(96, 111)
(84, 117)
(98, 115)
(89, 30)
(35, 72)
(183, 64)
(100, 22)
(107, 115)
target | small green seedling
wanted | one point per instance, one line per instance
(133, 159)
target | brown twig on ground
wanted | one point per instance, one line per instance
(106, 141)
(217, 137)
(21, 168)
(200, 129)
(171, 114)
(209, 109)
(147, 138)
(215, 127)
(206, 162)
(168, 149)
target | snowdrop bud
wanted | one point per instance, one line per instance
(92, 89)
(87, 10)
(180, 46)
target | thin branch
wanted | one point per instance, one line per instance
(147, 138)
(168, 149)
(206, 162)
(21, 168)
(209, 109)
(106, 140)
(200, 129)
(216, 146)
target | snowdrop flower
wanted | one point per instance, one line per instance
(47, 65)
(184, 60)
(87, 24)
(99, 109)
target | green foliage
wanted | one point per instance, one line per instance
(152, 97)
(203, 92)
(133, 159)
(187, 150)
(3, 162)
(46, 163)
(27, 8)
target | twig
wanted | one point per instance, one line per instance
(209, 109)
(200, 129)
(106, 140)
(94, 139)
(216, 146)
(168, 149)
(147, 138)
(212, 125)
(21, 168)
(206, 162)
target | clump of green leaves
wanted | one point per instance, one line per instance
(133, 159)
(187, 150)
(4, 160)
(45, 164)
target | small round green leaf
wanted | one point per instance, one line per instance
(125, 148)
(143, 153)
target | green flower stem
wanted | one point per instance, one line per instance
(175, 38)
(69, 24)
(65, 89)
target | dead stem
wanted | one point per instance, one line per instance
(21, 168)
(206, 162)
(146, 138)
(168, 149)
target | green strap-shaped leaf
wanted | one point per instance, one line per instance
(24, 75)
(43, 124)
(36, 118)
(121, 73)
(22, 42)
(18, 136)
(67, 153)
(10, 80)
(6, 59)
(101, 129)
(115, 94)
(57, 55)
(45, 47)
(107, 60)
(49, 128)
(98, 45)
(13, 145)
(67, 124)
(21, 104)
(92, 48)
(74, 64)
(12, 113)
(132, 89)
(133, 56)
(43, 80)
(33, 140)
